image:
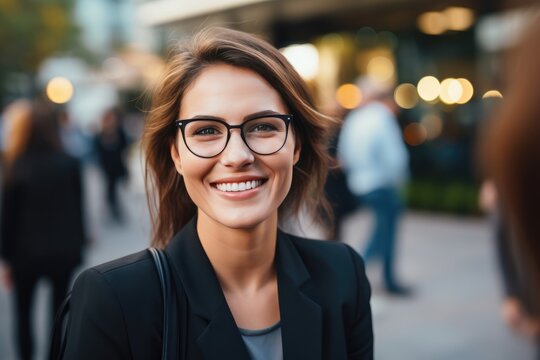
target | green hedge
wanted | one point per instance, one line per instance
(452, 197)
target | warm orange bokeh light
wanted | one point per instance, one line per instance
(468, 91)
(429, 88)
(348, 96)
(405, 96)
(415, 134)
(59, 90)
(492, 94)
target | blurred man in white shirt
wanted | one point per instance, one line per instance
(375, 159)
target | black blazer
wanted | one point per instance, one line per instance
(323, 299)
(42, 210)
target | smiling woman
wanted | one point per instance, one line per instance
(233, 143)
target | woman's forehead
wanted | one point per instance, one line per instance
(226, 91)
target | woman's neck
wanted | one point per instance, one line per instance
(243, 259)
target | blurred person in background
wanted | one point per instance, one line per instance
(74, 140)
(42, 231)
(513, 159)
(110, 147)
(374, 156)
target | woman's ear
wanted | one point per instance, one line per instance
(176, 158)
(297, 150)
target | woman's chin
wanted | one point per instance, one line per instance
(242, 219)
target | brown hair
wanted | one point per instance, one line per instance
(17, 118)
(33, 127)
(514, 161)
(170, 205)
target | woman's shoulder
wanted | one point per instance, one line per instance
(114, 308)
(324, 248)
(335, 269)
(128, 276)
(128, 263)
(328, 255)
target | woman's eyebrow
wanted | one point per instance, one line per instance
(247, 117)
(206, 117)
(261, 113)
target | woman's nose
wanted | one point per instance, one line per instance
(236, 153)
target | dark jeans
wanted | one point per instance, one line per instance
(386, 206)
(25, 279)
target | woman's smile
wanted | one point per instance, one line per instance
(239, 189)
(238, 185)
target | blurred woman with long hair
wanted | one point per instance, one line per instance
(42, 230)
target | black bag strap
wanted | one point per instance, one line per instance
(170, 308)
(58, 339)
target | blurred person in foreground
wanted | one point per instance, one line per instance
(373, 154)
(513, 156)
(110, 146)
(41, 230)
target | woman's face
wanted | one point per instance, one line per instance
(233, 94)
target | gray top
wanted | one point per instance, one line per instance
(264, 344)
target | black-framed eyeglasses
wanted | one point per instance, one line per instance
(264, 135)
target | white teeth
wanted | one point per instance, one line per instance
(241, 186)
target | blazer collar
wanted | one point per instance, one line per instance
(301, 316)
(193, 267)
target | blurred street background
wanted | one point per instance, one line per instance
(444, 60)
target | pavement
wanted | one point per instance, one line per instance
(450, 262)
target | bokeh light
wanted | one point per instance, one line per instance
(467, 91)
(406, 96)
(304, 58)
(451, 91)
(492, 94)
(432, 23)
(429, 88)
(380, 68)
(59, 90)
(433, 125)
(348, 96)
(458, 18)
(415, 134)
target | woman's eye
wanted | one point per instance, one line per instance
(206, 131)
(263, 128)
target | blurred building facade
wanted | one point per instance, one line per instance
(442, 57)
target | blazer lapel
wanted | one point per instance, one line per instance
(219, 337)
(301, 315)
